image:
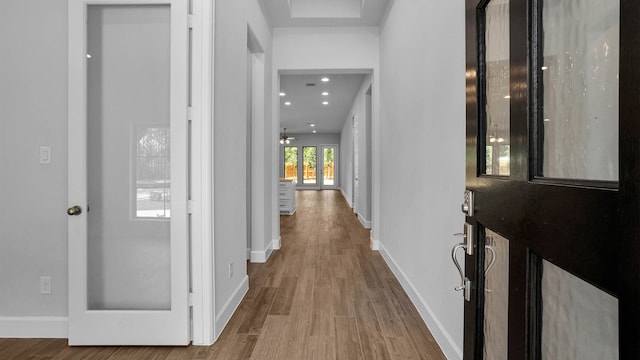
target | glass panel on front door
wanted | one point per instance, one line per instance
(579, 74)
(128, 97)
(497, 98)
(496, 296)
(579, 321)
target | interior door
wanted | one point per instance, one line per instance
(128, 236)
(552, 173)
(328, 170)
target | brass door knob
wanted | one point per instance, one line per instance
(74, 210)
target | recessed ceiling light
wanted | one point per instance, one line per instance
(283, 94)
(325, 79)
(507, 97)
(547, 120)
(500, 140)
(325, 103)
(88, 56)
(314, 131)
(325, 94)
(288, 103)
(312, 125)
(544, 68)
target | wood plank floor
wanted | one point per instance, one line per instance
(323, 295)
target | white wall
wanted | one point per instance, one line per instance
(362, 198)
(422, 122)
(305, 50)
(33, 112)
(233, 17)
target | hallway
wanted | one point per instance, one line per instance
(323, 295)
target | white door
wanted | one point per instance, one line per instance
(128, 236)
(329, 167)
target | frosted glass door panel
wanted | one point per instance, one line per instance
(497, 114)
(579, 321)
(580, 79)
(496, 298)
(128, 51)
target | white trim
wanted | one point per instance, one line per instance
(277, 243)
(230, 307)
(365, 223)
(202, 260)
(263, 256)
(446, 342)
(55, 327)
(375, 244)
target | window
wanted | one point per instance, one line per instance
(291, 163)
(309, 160)
(152, 172)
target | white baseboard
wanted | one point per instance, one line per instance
(277, 243)
(222, 319)
(248, 253)
(375, 244)
(365, 223)
(450, 349)
(263, 255)
(34, 327)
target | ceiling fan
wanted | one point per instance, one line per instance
(284, 139)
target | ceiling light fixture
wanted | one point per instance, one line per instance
(312, 124)
(315, 131)
(288, 103)
(283, 93)
(544, 68)
(507, 97)
(325, 79)
(325, 103)
(284, 139)
(325, 94)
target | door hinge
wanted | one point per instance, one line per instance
(192, 299)
(190, 206)
(190, 113)
(190, 20)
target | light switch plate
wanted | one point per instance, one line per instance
(45, 155)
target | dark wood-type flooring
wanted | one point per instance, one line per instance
(323, 295)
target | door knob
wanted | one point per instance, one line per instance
(74, 210)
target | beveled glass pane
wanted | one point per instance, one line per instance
(497, 103)
(580, 79)
(496, 297)
(579, 321)
(129, 186)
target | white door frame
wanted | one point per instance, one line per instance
(202, 289)
(202, 260)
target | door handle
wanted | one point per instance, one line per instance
(74, 210)
(454, 250)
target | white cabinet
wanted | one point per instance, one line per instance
(287, 196)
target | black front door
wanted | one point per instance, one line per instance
(553, 262)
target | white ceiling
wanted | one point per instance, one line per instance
(306, 101)
(300, 13)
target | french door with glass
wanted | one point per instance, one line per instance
(551, 244)
(128, 235)
(328, 170)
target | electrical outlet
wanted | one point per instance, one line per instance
(45, 155)
(230, 270)
(45, 285)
